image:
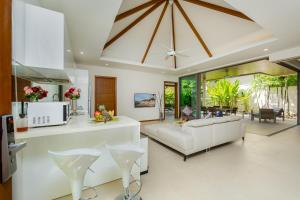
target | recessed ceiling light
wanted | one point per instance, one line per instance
(266, 49)
(106, 64)
(69, 50)
(81, 52)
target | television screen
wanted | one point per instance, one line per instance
(142, 100)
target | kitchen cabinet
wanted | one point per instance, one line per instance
(38, 36)
(38, 178)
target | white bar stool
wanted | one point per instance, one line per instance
(75, 163)
(125, 156)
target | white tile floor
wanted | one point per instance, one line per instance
(261, 168)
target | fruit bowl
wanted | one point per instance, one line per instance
(104, 116)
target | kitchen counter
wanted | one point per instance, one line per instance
(38, 177)
(77, 124)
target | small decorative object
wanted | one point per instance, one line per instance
(160, 106)
(35, 93)
(142, 100)
(219, 114)
(187, 111)
(73, 94)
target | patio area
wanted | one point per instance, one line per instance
(268, 127)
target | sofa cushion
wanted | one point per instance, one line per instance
(173, 136)
(151, 129)
(226, 119)
(199, 122)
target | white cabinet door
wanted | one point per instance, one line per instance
(18, 32)
(38, 36)
(44, 38)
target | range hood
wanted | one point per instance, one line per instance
(40, 75)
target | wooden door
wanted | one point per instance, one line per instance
(106, 92)
(5, 74)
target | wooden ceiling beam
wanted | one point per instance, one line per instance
(155, 30)
(173, 34)
(219, 8)
(187, 19)
(135, 10)
(131, 25)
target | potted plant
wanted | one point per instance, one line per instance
(35, 94)
(73, 94)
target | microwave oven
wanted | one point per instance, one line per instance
(48, 113)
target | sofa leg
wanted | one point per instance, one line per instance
(184, 158)
(243, 138)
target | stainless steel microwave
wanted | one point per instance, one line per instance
(48, 113)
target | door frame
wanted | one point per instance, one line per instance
(116, 92)
(176, 109)
(5, 74)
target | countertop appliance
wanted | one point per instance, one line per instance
(48, 113)
(8, 148)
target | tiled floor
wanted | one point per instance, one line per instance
(268, 127)
(261, 168)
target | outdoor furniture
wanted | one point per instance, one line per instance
(234, 110)
(204, 110)
(279, 112)
(264, 113)
(212, 110)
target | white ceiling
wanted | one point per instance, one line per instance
(221, 32)
(230, 39)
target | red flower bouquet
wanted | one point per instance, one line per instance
(73, 93)
(35, 93)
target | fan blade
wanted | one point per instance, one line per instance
(182, 51)
(181, 55)
(155, 53)
(164, 46)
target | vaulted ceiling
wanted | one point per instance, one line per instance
(230, 39)
(150, 32)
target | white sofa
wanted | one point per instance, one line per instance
(197, 135)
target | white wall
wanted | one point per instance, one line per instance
(128, 83)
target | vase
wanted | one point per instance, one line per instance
(74, 106)
(161, 116)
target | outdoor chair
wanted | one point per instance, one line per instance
(204, 110)
(212, 110)
(234, 111)
(264, 113)
(279, 112)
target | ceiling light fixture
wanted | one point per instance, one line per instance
(81, 52)
(266, 49)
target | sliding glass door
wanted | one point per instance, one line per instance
(188, 94)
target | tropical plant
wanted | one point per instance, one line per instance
(224, 93)
(169, 96)
(188, 92)
(244, 99)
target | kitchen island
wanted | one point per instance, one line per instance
(39, 178)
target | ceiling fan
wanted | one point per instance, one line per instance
(171, 52)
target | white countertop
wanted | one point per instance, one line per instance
(77, 124)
